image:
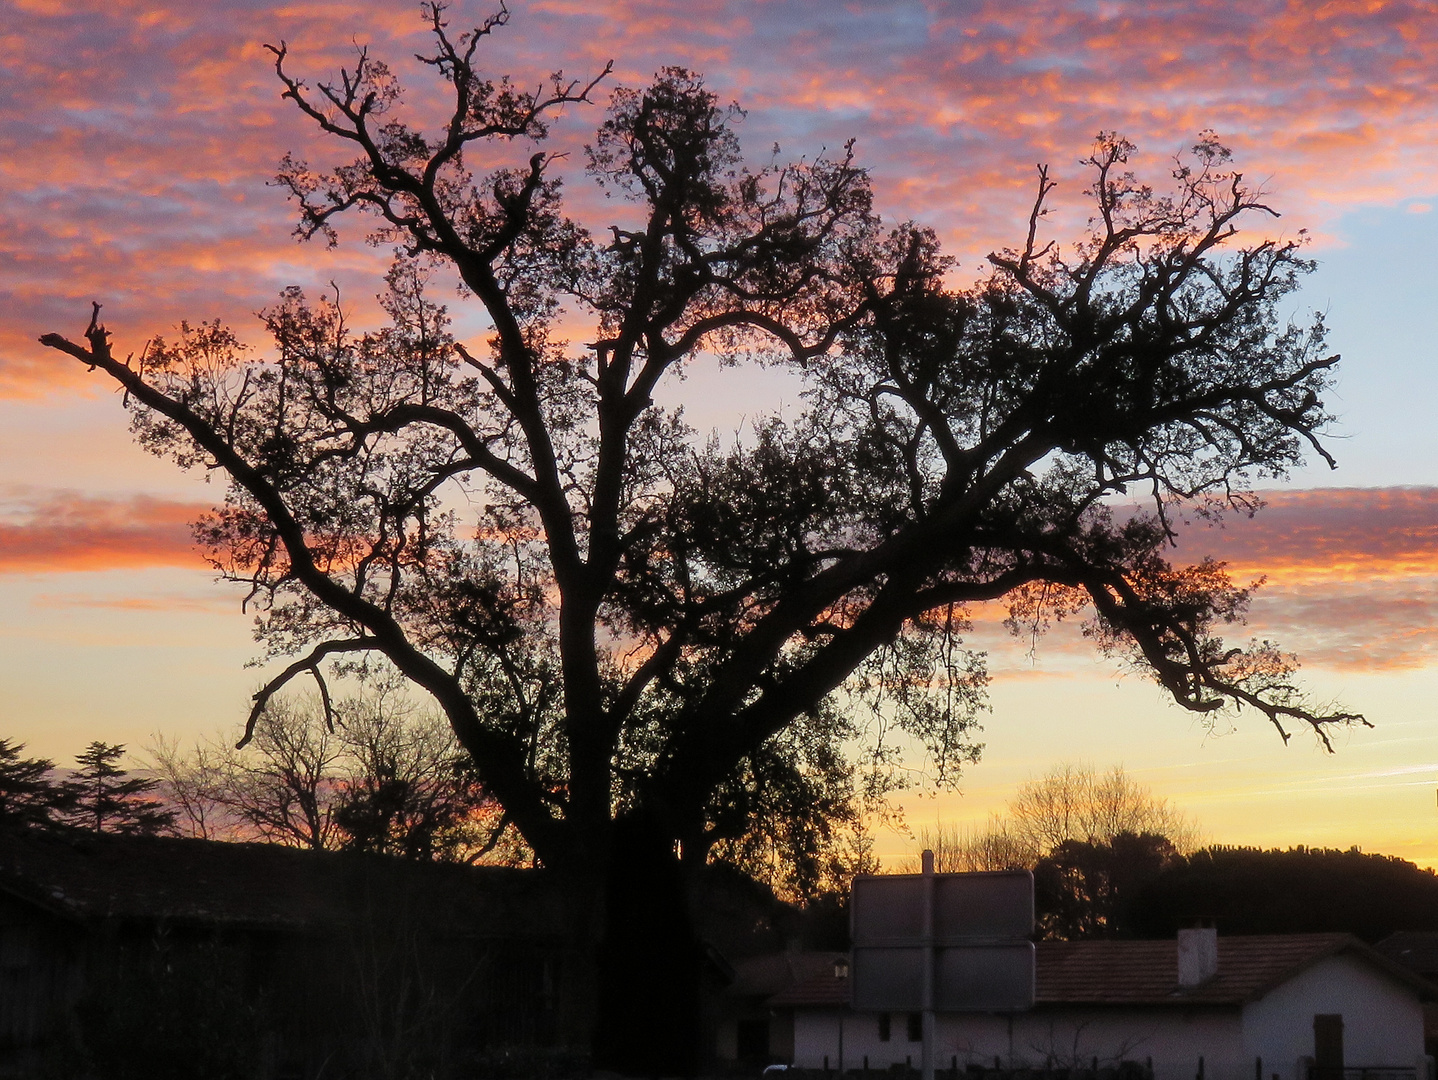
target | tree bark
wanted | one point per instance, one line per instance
(650, 963)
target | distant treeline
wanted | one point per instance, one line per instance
(1112, 859)
(1251, 891)
(1139, 886)
(389, 783)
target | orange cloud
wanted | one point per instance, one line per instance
(1351, 573)
(1327, 535)
(1350, 582)
(1367, 626)
(54, 532)
(164, 603)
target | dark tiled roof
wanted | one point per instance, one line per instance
(200, 882)
(1416, 950)
(1146, 972)
(764, 976)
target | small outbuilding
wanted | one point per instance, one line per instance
(1271, 1007)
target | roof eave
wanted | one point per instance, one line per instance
(1347, 943)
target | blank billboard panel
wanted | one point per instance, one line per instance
(888, 979)
(984, 977)
(999, 905)
(977, 978)
(980, 958)
(890, 909)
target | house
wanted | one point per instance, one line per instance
(1417, 950)
(161, 956)
(1267, 1007)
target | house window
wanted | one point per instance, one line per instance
(916, 1027)
(884, 1027)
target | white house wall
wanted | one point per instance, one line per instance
(1382, 1020)
(1173, 1037)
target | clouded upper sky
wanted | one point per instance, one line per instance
(139, 139)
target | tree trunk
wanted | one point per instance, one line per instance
(576, 987)
(650, 960)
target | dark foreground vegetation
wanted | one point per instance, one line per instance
(140, 956)
(131, 957)
(1124, 1070)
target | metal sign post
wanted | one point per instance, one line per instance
(928, 942)
(927, 1050)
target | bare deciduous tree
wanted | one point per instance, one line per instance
(374, 773)
(963, 849)
(1068, 803)
(1076, 802)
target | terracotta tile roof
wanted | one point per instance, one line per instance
(199, 882)
(821, 989)
(1146, 972)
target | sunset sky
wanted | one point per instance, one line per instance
(139, 139)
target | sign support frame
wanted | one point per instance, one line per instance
(957, 939)
(929, 1035)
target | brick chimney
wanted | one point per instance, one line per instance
(1197, 956)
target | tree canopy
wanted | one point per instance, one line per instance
(1298, 890)
(1138, 886)
(29, 797)
(642, 638)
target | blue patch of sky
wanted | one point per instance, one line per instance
(1378, 288)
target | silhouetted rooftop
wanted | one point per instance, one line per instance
(1417, 950)
(1146, 972)
(764, 976)
(201, 882)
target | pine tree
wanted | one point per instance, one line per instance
(28, 797)
(102, 797)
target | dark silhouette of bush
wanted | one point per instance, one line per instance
(172, 1014)
(1087, 889)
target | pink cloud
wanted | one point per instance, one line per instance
(1350, 582)
(51, 532)
(141, 136)
(1352, 573)
(1327, 534)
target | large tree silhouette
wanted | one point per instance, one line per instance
(637, 632)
